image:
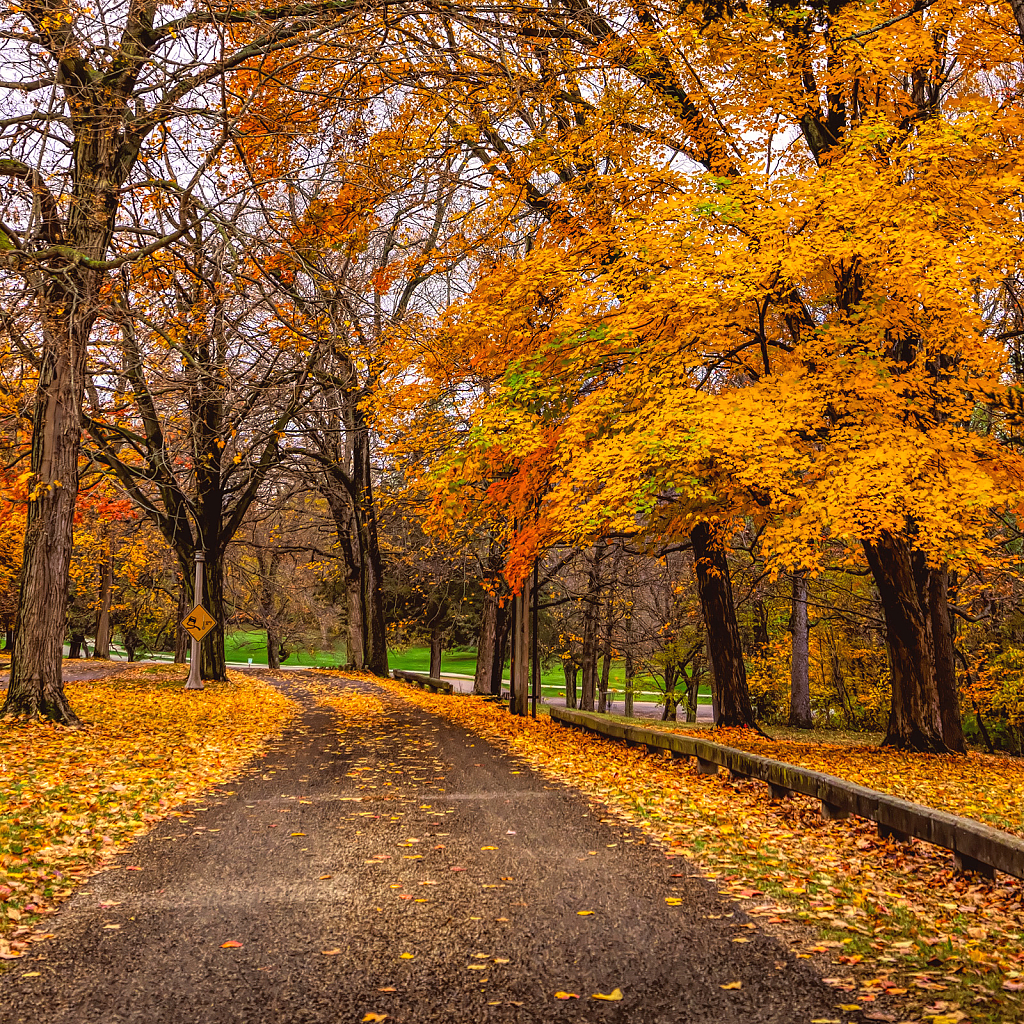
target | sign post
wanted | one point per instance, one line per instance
(197, 624)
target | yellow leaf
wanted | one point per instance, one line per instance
(298, 833)
(566, 995)
(406, 956)
(375, 1017)
(330, 952)
(230, 944)
(583, 913)
(732, 984)
(613, 997)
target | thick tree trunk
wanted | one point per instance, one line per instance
(725, 651)
(486, 645)
(799, 669)
(75, 645)
(356, 630)
(435, 653)
(273, 648)
(101, 649)
(36, 688)
(904, 585)
(8, 637)
(520, 688)
(213, 664)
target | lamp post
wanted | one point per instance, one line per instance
(195, 681)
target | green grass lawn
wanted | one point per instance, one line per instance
(242, 644)
(552, 679)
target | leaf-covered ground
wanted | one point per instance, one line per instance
(985, 787)
(878, 916)
(71, 798)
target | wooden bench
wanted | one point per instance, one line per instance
(424, 682)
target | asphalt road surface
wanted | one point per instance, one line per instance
(405, 869)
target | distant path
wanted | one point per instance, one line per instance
(641, 709)
(409, 837)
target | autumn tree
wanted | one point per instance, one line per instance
(133, 121)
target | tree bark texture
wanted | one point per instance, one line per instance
(591, 615)
(606, 656)
(375, 646)
(920, 646)
(569, 670)
(36, 687)
(435, 653)
(799, 668)
(725, 650)
(101, 649)
(487, 645)
(520, 690)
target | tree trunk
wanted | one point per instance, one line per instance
(435, 653)
(273, 647)
(606, 657)
(36, 687)
(569, 670)
(725, 651)
(375, 648)
(212, 664)
(75, 646)
(101, 649)
(356, 629)
(799, 670)
(520, 689)
(591, 611)
(8, 636)
(487, 645)
(903, 581)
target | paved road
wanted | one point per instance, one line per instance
(408, 869)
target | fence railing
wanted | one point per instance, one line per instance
(976, 847)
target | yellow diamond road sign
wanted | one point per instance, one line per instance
(198, 622)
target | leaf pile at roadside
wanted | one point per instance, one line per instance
(886, 922)
(71, 798)
(985, 787)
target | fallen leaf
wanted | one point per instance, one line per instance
(388, 988)
(613, 997)
(583, 913)
(375, 1017)
(31, 974)
(406, 956)
(732, 984)
(330, 952)
(322, 877)
(566, 995)
(297, 833)
(230, 944)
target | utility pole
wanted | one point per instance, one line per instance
(195, 681)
